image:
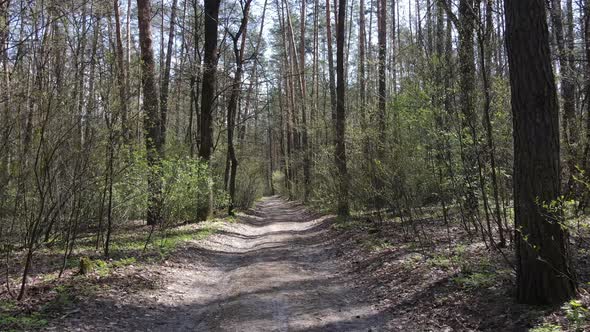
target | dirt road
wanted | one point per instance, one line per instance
(273, 270)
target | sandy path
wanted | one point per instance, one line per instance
(272, 271)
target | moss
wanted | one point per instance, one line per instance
(86, 265)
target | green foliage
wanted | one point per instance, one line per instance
(62, 300)
(441, 261)
(21, 322)
(476, 280)
(130, 192)
(86, 265)
(348, 224)
(13, 320)
(123, 262)
(7, 305)
(186, 183)
(172, 240)
(376, 244)
(249, 184)
(101, 267)
(547, 327)
(576, 314)
(455, 259)
(473, 272)
(325, 193)
(278, 180)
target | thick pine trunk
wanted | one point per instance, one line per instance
(209, 78)
(544, 271)
(208, 91)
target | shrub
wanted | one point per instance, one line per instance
(186, 183)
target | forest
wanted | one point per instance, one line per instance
(295, 165)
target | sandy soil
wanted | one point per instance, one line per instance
(276, 269)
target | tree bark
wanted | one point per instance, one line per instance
(382, 96)
(304, 129)
(485, 43)
(340, 151)
(121, 80)
(209, 78)
(564, 39)
(208, 90)
(467, 101)
(164, 88)
(232, 107)
(151, 121)
(544, 271)
(333, 101)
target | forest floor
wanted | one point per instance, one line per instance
(280, 267)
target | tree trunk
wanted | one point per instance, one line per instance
(208, 90)
(121, 80)
(164, 88)
(485, 43)
(467, 101)
(232, 107)
(209, 78)
(392, 59)
(331, 62)
(151, 121)
(567, 85)
(304, 129)
(586, 155)
(340, 151)
(544, 271)
(382, 96)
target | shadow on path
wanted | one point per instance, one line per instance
(274, 270)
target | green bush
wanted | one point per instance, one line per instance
(186, 185)
(249, 185)
(546, 327)
(576, 314)
(130, 188)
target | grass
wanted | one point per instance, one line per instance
(455, 259)
(12, 319)
(345, 224)
(133, 242)
(476, 280)
(127, 249)
(104, 268)
(160, 248)
(172, 240)
(376, 244)
(10, 323)
(546, 327)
